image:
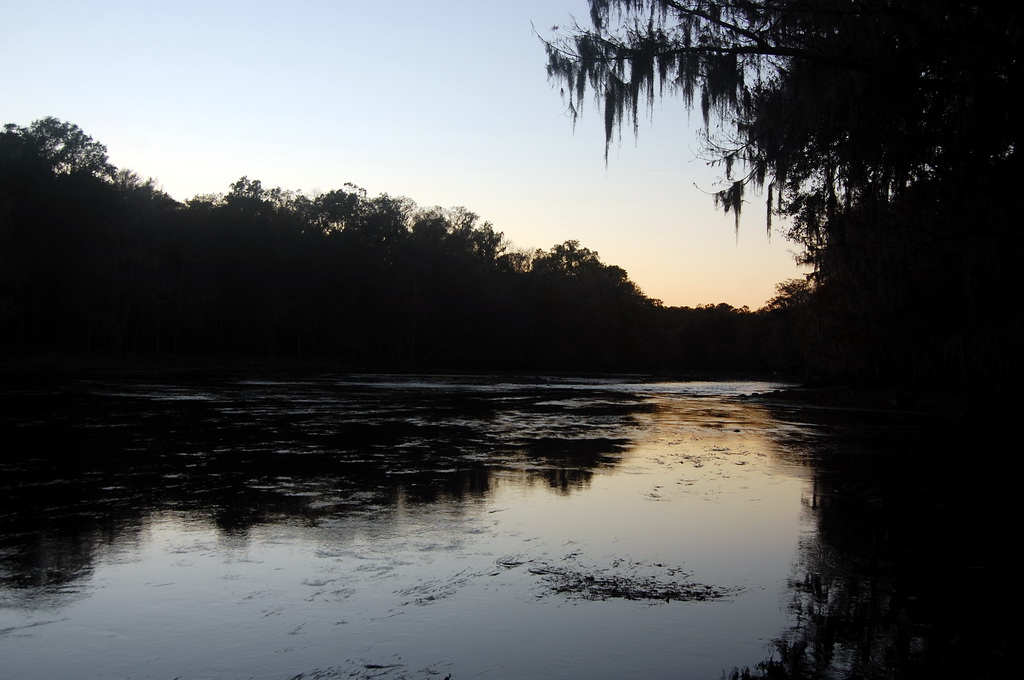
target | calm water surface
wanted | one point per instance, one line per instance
(417, 527)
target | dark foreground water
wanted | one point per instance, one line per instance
(482, 528)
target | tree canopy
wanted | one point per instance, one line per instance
(60, 147)
(840, 97)
(95, 261)
(887, 132)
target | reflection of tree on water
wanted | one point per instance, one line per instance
(569, 464)
(86, 463)
(903, 575)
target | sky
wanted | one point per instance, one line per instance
(444, 102)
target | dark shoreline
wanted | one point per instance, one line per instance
(61, 364)
(894, 401)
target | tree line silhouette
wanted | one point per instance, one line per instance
(97, 262)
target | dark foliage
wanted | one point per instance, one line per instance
(95, 261)
(884, 132)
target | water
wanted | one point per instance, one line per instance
(375, 526)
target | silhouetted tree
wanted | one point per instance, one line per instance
(880, 130)
(62, 147)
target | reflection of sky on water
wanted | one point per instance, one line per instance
(383, 574)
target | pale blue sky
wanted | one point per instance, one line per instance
(445, 102)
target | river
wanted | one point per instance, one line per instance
(323, 526)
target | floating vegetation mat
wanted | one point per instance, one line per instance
(363, 670)
(623, 579)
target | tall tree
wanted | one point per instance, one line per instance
(887, 132)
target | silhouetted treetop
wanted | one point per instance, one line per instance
(567, 258)
(62, 147)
